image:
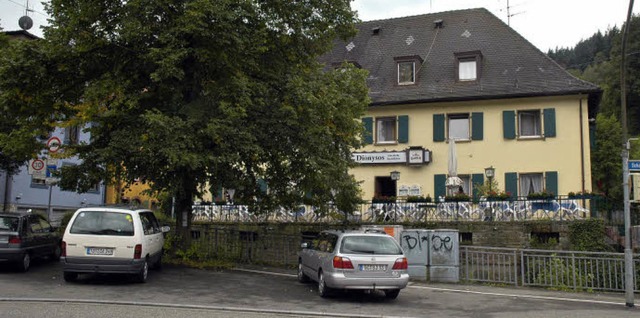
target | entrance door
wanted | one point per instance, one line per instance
(385, 187)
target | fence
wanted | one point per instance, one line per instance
(560, 208)
(568, 270)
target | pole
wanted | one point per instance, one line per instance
(628, 255)
(49, 212)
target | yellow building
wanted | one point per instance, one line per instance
(466, 76)
(134, 193)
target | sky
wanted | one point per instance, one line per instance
(547, 24)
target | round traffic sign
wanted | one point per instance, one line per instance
(37, 164)
(54, 144)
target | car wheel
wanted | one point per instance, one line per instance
(141, 277)
(391, 293)
(323, 290)
(57, 251)
(70, 276)
(25, 264)
(302, 277)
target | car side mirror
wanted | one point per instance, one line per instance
(165, 229)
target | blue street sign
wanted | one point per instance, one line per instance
(50, 170)
(634, 165)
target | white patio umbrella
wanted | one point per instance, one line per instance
(453, 182)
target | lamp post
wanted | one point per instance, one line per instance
(490, 173)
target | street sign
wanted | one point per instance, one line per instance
(53, 144)
(50, 170)
(36, 167)
(634, 165)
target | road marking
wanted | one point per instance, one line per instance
(465, 291)
(182, 306)
(519, 296)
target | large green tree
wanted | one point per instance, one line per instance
(227, 91)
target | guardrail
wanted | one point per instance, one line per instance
(570, 270)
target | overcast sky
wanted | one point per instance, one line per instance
(545, 23)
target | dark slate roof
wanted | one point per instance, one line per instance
(22, 34)
(511, 66)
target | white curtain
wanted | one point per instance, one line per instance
(467, 70)
(530, 183)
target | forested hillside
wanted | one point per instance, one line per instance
(597, 60)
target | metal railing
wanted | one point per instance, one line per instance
(560, 208)
(570, 270)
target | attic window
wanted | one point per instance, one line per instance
(468, 66)
(438, 24)
(375, 30)
(407, 69)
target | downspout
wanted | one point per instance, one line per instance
(581, 145)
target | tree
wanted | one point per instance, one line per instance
(607, 173)
(27, 115)
(228, 91)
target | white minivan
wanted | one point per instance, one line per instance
(112, 240)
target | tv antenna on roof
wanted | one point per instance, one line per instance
(25, 22)
(509, 14)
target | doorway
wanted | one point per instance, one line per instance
(385, 187)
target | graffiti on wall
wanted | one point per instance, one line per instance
(439, 243)
(412, 242)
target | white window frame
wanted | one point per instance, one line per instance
(450, 126)
(537, 123)
(391, 122)
(413, 73)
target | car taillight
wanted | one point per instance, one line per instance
(401, 263)
(63, 247)
(137, 252)
(342, 263)
(14, 240)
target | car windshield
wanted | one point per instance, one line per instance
(103, 223)
(370, 245)
(9, 223)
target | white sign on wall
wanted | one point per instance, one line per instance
(413, 155)
(380, 157)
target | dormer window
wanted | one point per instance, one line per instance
(468, 66)
(407, 69)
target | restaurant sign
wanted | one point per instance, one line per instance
(409, 156)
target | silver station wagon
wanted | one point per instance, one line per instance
(354, 260)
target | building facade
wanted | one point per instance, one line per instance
(466, 76)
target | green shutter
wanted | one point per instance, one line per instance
(551, 182)
(367, 136)
(549, 122)
(477, 180)
(477, 131)
(219, 195)
(403, 129)
(509, 124)
(438, 127)
(439, 188)
(262, 184)
(511, 183)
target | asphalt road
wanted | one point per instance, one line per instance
(261, 292)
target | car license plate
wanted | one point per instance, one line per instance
(99, 251)
(373, 267)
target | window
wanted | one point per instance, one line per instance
(468, 66)
(370, 245)
(529, 124)
(530, 183)
(386, 130)
(467, 70)
(72, 135)
(406, 73)
(466, 185)
(458, 126)
(103, 223)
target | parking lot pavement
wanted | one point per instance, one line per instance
(505, 291)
